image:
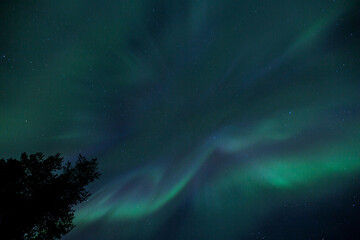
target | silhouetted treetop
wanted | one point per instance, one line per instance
(37, 195)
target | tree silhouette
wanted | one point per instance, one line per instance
(37, 195)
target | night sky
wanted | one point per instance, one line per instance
(210, 119)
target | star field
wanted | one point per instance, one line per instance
(210, 119)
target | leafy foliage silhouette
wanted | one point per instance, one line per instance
(38, 195)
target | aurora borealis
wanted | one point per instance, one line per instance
(210, 119)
